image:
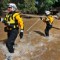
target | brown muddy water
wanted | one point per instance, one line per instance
(33, 46)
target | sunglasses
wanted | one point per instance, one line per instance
(9, 7)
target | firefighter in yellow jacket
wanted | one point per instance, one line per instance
(13, 21)
(49, 21)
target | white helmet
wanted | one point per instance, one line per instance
(13, 6)
(47, 12)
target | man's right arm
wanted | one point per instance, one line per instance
(3, 21)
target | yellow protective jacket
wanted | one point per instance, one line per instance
(15, 20)
(49, 18)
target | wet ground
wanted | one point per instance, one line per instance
(34, 45)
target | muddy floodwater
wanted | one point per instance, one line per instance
(34, 45)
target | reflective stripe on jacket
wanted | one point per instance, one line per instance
(15, 20)
(49, 18)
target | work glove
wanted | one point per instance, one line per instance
(21, 34)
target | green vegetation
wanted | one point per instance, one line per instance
(0, 8)
(31, 6)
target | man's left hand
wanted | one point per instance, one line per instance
(21, 34)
